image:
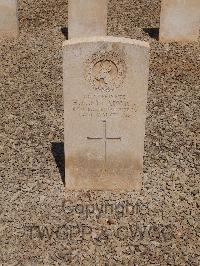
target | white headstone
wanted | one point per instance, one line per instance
(87, 18)
(180, 20)
(105, 95)
(8, 18)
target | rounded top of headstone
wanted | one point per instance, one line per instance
(107, 39)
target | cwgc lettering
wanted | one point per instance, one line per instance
(180, 20)
(87, 18)
(8, 18)
(105, 90)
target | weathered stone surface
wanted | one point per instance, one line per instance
(87, 18)
(8, 18)
(180, 20)
(105, 90)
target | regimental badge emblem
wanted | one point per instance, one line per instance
(106, 71)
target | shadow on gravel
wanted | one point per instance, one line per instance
(64, 31)
(57, 149)
(153, 32)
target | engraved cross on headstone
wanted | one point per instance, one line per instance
(105, 138)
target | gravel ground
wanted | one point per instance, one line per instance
(41, 224)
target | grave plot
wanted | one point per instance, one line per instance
(41, 223)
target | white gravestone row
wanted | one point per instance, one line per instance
(180, 19)
(8, 18)
(105, 91)
(105, 95)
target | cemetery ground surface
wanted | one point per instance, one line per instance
(41, 223)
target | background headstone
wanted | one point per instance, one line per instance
(105, 95)
(87, 18)
(8, 18)
(180, 20)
